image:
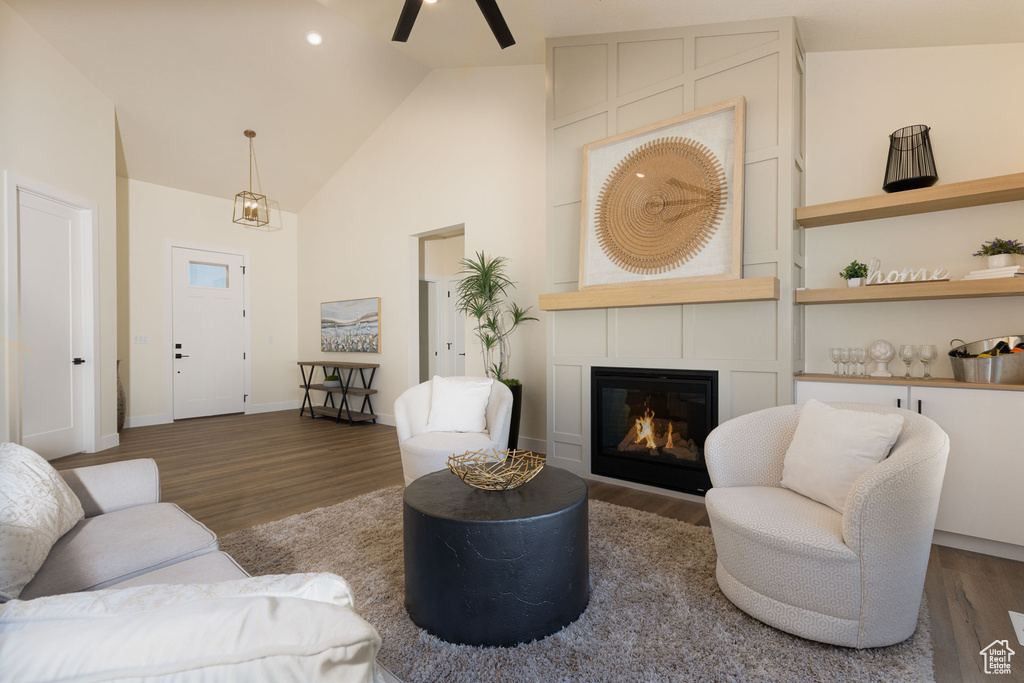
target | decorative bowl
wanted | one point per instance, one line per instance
(333, 383)
(496, 470)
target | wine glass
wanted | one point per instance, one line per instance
(908, 352)
(844, 358)
(927, 354)
(833, 353)
(861, 356)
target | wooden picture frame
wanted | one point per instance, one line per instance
(682, 223)
(352, 325)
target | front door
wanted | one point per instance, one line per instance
(50, 306)
(207, 329)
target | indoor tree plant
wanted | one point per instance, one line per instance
(1002, 253)
(483, 294)
(854, 273)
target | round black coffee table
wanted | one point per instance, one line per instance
(496, 567)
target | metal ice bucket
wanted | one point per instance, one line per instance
(1005, 369)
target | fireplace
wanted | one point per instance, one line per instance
(649, 426)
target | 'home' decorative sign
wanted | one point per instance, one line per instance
(875, 276)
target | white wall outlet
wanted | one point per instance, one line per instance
(141, 339)
(1018, 625)
(270, 339)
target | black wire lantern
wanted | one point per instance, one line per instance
(911, 164)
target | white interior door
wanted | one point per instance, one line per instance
(50, 306)
(454, 348)
(207, 333)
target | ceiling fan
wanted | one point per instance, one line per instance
(489, 8)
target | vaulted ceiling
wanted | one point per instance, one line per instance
(188, 76)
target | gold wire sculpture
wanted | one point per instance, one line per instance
(661, 205)
(496, 470)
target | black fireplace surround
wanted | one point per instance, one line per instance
(649, 425)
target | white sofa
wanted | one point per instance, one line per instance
(424, 452)
(853, 578)
(138, 589)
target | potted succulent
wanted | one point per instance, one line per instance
(483, 294)
(333, 381)
(1002, 253)
(854, 273)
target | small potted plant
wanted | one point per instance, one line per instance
(333, 381)
(854, 273)
(1002, 253)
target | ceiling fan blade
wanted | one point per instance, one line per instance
(497, 22)
(406, 20)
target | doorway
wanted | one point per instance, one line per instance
(441, 338)
(207, 332)
(50, 317)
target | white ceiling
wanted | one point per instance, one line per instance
(188, 76)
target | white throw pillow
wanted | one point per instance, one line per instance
(832, 447)
(36, 508)
(459, 404)
(298, 627)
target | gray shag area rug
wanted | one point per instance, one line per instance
(655, 613)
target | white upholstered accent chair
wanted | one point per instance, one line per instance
(424, 452)
(853, 579)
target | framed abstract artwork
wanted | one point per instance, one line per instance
(352, 325)
(664, 202)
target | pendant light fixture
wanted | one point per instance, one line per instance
(251, 208)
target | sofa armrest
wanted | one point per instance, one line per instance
(115, 486)
(749, 450)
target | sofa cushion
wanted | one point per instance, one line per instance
(36, 508)
(833, 447)
(299, 627)
(208, 568)
(786, 547)
(100, 551)
(459, 404)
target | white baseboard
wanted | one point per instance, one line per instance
(386, 419)
(271, 407)
(107, 441)
(147, 420)
(979, 545)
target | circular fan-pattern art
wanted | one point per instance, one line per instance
(661, 205)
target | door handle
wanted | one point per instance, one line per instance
(180, 355)
(78, 361)
(899, 403)
(918, 406)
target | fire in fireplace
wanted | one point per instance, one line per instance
(649, 425)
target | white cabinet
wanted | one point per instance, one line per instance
(882, 394)
(983, 490)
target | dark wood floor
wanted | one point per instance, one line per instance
(235, 471)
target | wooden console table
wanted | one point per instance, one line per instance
(346, 372)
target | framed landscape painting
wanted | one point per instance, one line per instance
(352, 325)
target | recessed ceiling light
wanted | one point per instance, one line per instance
(430, 2)
(314, 38)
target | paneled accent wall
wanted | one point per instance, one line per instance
(607, 84)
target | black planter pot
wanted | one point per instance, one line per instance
(517, 411)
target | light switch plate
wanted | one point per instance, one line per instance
(1018, 625)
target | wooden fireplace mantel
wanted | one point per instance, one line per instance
(653, 294)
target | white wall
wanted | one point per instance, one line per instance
(157, 214)
(466, 147)
(603, 85)
(972, 98)
(57, 129)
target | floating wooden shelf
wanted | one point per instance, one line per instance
(697, 292)
(1005, 188)
(914, 291)
(944, 382)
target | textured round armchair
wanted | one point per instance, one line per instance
(425, 451)
(853, 578)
